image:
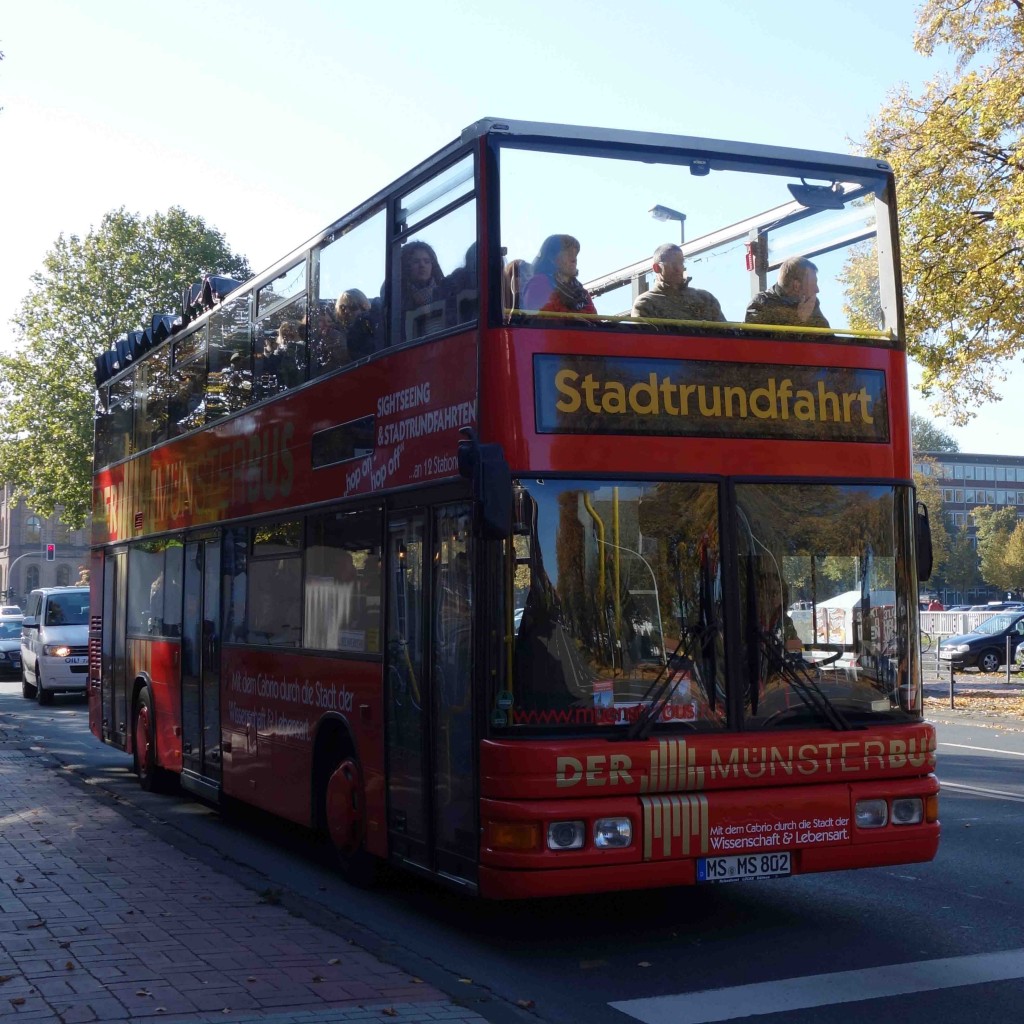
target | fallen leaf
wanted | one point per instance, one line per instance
(316, 977)
(65, 945)
(465, 981)
(69, 966)
(18, 1001)
(250, 978)
(389, 1011)
(5, 978)
(142, 992)
(417, 981)
(18, 878)
(334, 961)
(644, 963)
(37, 924)
(526, 1004)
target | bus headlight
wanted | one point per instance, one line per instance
(566, 835)
(908, 810)
(871, 813)
(612, 833)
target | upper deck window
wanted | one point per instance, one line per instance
(434, 264)
(750, 247)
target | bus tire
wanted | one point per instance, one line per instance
(28, 691)
(344, 822)
(151, 777)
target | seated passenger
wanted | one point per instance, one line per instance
(554, 286)
(352, 313)
(671, 297)
(461, 286)
(793, 300)
(515, 278)
(422, 290)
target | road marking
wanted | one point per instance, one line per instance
(994, 794)
(825, 989)
(988, 750)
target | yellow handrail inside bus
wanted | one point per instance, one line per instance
(756, 328)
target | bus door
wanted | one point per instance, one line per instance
(432, 813)
(114, 708)
(200, 661)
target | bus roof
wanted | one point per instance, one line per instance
(541, 131)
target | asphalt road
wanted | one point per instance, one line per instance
(939, 942)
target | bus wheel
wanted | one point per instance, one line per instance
(150, 776)
(345, 823)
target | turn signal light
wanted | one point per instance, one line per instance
(513, 835)
(931, 808)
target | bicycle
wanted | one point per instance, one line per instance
(926, 641)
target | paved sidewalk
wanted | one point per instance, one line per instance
(102, 921)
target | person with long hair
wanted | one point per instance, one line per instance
(422, 280)
(554, 286)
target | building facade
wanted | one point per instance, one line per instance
(969, 481)
(24, 539)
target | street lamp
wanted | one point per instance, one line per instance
(667, 213)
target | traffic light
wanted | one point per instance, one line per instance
(51, 552)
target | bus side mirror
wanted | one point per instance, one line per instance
(923, 540)
(485, 465)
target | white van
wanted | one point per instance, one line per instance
(55, 642)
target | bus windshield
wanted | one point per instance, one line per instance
(619, 613)
(737, 221)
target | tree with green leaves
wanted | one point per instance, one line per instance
(957, 153)
(927, 437)
(994, 528)
(961, 569)
(1013, 560)
(89, 292)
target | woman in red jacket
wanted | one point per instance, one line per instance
(554, 287)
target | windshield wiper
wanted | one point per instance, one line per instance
(797, 673)
(661, 689)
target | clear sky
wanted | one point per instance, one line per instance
(270, 120)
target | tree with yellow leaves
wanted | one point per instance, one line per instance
(958, 153)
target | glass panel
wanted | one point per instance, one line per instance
(281, 350)
(619, 606)
(152, 387)
(455, 823)
(114, 421)
(404, 703)
(234, 586)
(187, 408)
(825, 611)
(229, 384)
(343, 582)
(430, 301)
(347, 319)
(737, 229)
(284, 287)
(154, 588)
(434, 195)
(275, 585)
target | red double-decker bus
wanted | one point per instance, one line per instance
(531, 534)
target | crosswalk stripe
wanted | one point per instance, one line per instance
(789, 994)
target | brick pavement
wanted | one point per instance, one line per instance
(100, 920)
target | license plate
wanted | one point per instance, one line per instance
(84, 660)
(736, 869)
(946, 655)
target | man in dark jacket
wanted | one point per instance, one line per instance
(793, 300)
(672, 298)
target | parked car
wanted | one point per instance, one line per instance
(985, 645)
(55, 642)
(10, 645)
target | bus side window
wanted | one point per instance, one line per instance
(345, 317)
(229, 380)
